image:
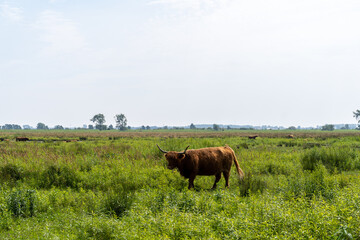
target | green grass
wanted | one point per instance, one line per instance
(118, 187)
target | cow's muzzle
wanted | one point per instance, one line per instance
(170, 167)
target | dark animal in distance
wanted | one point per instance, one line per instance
(204, 161)
(22, 139)
(253, 137)
(291, 136)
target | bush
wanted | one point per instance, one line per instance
(316, 184)
(116, 204)
(22, 203)
(342, 159)
(102, 232)
(310, 184)
(274, 168)
(251, 183)
(59, 177)
(6, 219)
(157, 204)
(101, 229)
(11, 172)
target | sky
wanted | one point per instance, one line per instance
(177, 62)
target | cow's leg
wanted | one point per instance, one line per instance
(217, 179)
(226, 176)
(191, 181)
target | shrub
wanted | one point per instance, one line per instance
(101, 232)
(311, 159)
(342, 159)
(11, 172)
(116, 204)
(97, 229)
(311, 145)
(310, 184)
(274, 168)
(59, 177)
(251, 183)
(22, 203)
(5, 217)
(315, 183)
(157, 204)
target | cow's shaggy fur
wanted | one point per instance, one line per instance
(204, 161)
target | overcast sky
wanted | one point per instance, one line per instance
(176, 62)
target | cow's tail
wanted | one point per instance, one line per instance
(238, 169)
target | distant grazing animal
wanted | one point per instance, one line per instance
(22, 139)
(203, 161)
(290, 136)
(253, 137)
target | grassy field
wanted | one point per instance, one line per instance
(115, 185)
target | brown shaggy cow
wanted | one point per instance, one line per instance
(203, 161)
(22, 139)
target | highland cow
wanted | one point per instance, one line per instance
(204, 161)
(22, 139)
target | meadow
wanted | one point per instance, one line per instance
(115, 185)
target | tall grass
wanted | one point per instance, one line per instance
(334, 158)
(119, 188)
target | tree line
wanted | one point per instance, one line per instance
(98, 120)
(121, 124)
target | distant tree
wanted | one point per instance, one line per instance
(192, 126)
(7, 127)
(99, 120)
(228, 128)
(143, 127)
(356, 114)
(111, 127)
(148, 128)
(346, 127)
(292, 128)
(216, 127)
(91, 127)
(101, 127)
(357, 117)
(11, 127)
(59, 127)
(41, 126)
(121, 122)
(328, 127)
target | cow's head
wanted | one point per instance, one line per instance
(173, 157)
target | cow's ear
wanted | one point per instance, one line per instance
(181, 156)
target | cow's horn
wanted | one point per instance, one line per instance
(185, 150)
(161, 149)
